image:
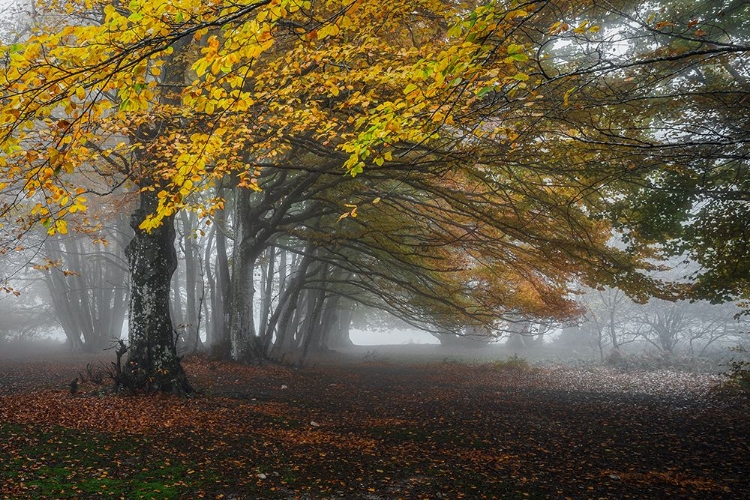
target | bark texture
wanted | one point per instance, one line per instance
(152, 363)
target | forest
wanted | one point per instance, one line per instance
(204, 203)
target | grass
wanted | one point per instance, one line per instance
(62, 463)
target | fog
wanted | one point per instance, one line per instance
(389, 337)
(82, 304)
(612, 329)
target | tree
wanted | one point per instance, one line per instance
(691, 327)
(608, 319)
(87, 279)
(526, 145)
(655, 96)
(189, 319)
(29, 319)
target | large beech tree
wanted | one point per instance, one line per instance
(531, 114)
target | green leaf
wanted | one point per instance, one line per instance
(516, 58)
(455, 31)
(484, 91)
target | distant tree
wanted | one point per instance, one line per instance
(607, 320)
(189, 278)
(87, 279)
(691, 326)
(26, 320)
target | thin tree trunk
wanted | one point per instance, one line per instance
(192, 335)
(221, 347)
(267, 299)
(210, 303)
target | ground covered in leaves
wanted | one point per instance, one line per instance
(373, 429)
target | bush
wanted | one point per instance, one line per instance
(510, 363)
(739, 371)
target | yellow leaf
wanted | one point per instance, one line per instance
(61, 226)
(581, 28)
(410, 89)
(331, 29)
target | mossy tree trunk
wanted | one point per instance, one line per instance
(152, 363)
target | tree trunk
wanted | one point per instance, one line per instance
(221, 347)
(267, 278)
(328, 320)
(286, 309)
(152, 363)
(209, 305)
(313, 334)
(338, 335)
(192, 283)
(242, 329)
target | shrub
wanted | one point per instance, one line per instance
(510, 363)
(739, 371)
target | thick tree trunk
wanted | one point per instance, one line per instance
(339, 332)
(242, 329)
(152, 363)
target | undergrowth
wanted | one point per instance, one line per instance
(510, 363)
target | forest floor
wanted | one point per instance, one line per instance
(374, 428)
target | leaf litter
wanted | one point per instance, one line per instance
(375, 431)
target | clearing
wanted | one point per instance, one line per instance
(372, 428)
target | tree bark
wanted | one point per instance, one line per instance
(152, 364)
(340, 332)
(242, 330)
(192, 284)
(221, 347)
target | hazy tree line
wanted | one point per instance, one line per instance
(87, 290)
